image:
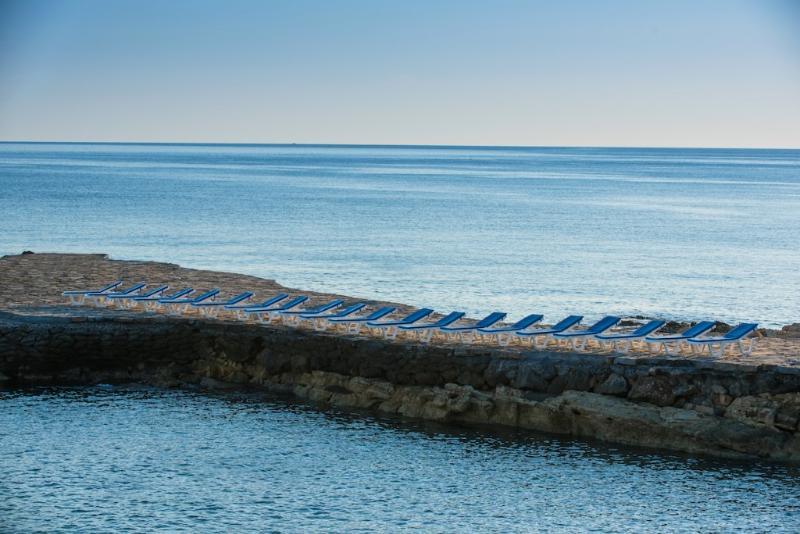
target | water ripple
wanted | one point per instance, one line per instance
(132, 459)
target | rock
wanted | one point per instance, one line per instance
(318, 394)
(788, 414)
(653, 389)
(211, 383)
(703, 409)
(787, 421)
(506, 405)
(722, 400)
(684, 390)
(613, 385)
(622, 421)
(791, 330)
(720, 397)
(720, 327)
(26, 252)
(534, 376)
(753, 410)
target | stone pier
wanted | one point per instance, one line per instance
(730, 407)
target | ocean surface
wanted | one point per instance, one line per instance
(142, 460)
(675, 233)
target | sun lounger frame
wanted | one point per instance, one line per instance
(735, 337)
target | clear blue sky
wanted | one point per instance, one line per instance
(616, 73)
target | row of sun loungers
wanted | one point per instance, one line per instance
(355, 318)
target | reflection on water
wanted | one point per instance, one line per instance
(112, 459)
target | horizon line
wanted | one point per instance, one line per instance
(385, 145)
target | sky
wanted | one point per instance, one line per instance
(710, 73)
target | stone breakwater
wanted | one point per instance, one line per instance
(728, 409)
(735, 407)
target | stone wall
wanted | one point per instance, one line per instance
(694, 405)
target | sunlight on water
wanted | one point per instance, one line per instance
(677, 233)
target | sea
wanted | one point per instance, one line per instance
(114, 459)
(675, 233)
(683, 234)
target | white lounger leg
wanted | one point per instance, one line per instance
(746, 349)
(541, 342)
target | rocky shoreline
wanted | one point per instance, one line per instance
(748, 408)
(695, 406)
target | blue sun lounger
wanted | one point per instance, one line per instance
(626, 339)
(76, 296)
(672, 343)
(262, 313)
(176, 306)
(124, 300)
(466, 333)
(151, 303)
(578, 339)
(341, 313)
(389, 328)
(425, 332)
(321, 318)
(503, 334)
(238, 309)
(735, 336)
(291, 316)
(353, 324)
(99, 299)
(211, 309)
(545, 333)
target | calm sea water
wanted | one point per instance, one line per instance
(661, 232)
(113, 460)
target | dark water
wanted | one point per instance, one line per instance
(686, 233)
(102, 460)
